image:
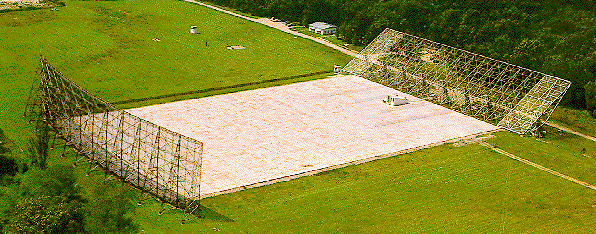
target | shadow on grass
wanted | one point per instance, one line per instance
(205, 213)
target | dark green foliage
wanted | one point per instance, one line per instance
(43, 201)
(38, 147)
(52, 201)
(591, 97)
(8, 166)
(54, 181)
(109, 204)
(45, 214)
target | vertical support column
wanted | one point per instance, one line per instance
(138, 141)
(121, 143)
(177, 174)
(157, 141)
(92, 137)
(106, 151)
(116, 153)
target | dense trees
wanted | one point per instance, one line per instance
(554, 36)
(591, 97)
(108, 208)
(52, 201)
(48, 198)
(43, 201)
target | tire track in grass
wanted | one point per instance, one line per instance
(500, 151)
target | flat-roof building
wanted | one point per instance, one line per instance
(322, 28)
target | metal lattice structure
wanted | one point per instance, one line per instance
(152, 158)
(516, 98)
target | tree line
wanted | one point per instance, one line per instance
(556, 37)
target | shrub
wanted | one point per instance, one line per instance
(590, 88)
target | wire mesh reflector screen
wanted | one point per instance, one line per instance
(510, 96)
(157, 160)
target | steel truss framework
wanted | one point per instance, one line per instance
(515, 98)
(152, 158)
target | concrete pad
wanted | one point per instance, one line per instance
(266, 134)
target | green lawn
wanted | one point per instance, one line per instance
(108, 48)
(563, 152)
(446, 188)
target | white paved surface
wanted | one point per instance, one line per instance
(259, 135)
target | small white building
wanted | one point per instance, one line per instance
(322, 28)
(193, 30)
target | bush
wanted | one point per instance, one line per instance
(8, 166)
(45, 214)
(38, 148)
(43, 201)
(590, 88)
(108, 205)
(51, 201)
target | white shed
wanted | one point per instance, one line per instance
(322, 28)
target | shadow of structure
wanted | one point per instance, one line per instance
(208, 214)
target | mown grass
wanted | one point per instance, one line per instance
(446, 188)
(561, 151)
(110, 48)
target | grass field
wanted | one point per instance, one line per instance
(446, 188)
(108, 48)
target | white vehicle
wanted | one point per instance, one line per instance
(394, 100)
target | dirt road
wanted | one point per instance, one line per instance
(570, 131)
